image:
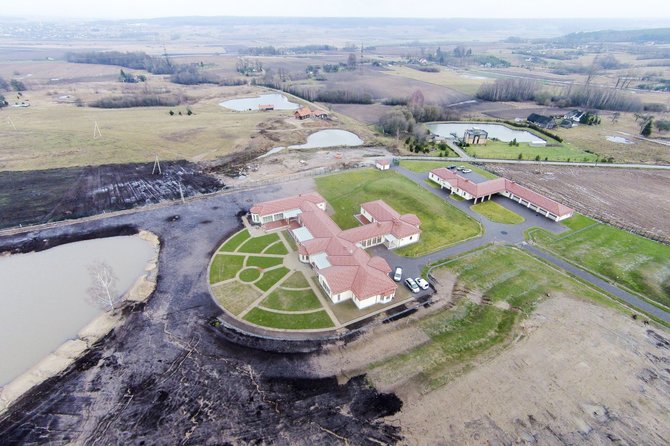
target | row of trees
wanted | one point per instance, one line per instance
(273, 51)
(144, 100)
(521, 90)
(12, 85)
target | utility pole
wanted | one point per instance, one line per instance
(96, 131)
(10, 122)
(157, 166)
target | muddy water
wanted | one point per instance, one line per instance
(279, 101)
(44, 299)
(498, 131)
(330, 138)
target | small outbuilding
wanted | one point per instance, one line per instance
(320, 114)
(475, 136)
(383, 164)
(302, 113)
(545, 122)
(266, 107)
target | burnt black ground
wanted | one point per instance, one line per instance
(165, 376)
(42, 196)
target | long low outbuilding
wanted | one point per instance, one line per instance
(479, 192)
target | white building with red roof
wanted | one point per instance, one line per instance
(383, 164)
(470, 190)
(344, 269)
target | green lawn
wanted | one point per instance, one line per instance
(258, 244)
(290, 240)
(459, 334)
(292, 300)
(557, 152)
(441, 223)
(497, 213)
(249, 275)
(635, 262)
(236, 240)
(427, 166)
(235, 297)
(225, 267)
(297, 280)
(315, 320)
(277, 248)
(264, 262)
(271, 277)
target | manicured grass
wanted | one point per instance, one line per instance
(258, 244)
(249, 275)
(225, 267)
(497, 213)
(635, 262)
(577, 222)
(297, 280)
(271, 277)
(277, 248)
(315, 320)
(441, 223)
(264, 262)
(235, 297)
(467, 330)
(292, 300)
(555, 152)
(456, 197)
(427, 166)
(236, 240)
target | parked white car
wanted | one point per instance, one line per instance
(467, 170)
(397, 276)
(411, 284)
(422, 283)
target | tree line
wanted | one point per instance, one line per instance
(589, 96)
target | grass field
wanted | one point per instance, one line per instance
(295, 321)
(235, 241)
(503, 275)
(427, 166)
(441, 223)
(463, 83)
(292, 300)
(258, 244)
(234, 296)
(225, 267)
(297, 280)
(278, 248)
(50, 135)
(249, 275)
(264, 262)
(502, 150)
(635, 262)
(271, 277)
(497, 213)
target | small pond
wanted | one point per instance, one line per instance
(330, 138)
(44, 297)
(279, 101)
(498, 131)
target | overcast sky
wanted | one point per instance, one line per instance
(115, 9)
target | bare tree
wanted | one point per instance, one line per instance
(103, 285)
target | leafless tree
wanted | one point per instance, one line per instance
(103, 289)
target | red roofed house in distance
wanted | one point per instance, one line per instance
(344, 269)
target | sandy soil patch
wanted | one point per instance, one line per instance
(556, 385)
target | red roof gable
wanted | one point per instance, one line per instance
(286, 204)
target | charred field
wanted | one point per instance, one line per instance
(164, 375)
(42, 196)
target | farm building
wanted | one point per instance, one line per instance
(546, 122)
(479, 192)
(302, 113)
(319, 114)
(475, 136)
(345, 270)
(266, 107)
(383, 164)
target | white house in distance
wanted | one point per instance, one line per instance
(383, 164)
(344, 269)
(470, 190)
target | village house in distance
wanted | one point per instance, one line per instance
(470, 190)
(344, 269)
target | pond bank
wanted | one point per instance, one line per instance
(71, 350)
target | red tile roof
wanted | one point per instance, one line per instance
(383, 162)
(303, 112)
(286, 204)
(351, 267)
(498, 185)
